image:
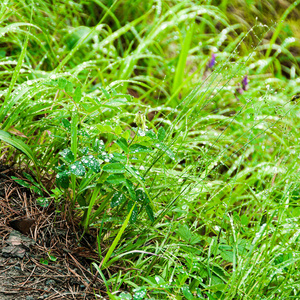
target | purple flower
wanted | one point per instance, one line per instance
(245, 83)
(243, 86)
(240, 90)
(212, 61)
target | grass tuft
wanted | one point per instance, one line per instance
(171, 128)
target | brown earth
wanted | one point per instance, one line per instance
(26, 269)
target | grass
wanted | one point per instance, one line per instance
(188, 172)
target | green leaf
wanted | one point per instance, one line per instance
(91, 162)
(244, 220)
(78, 35)
(151, 134)
(210, 296)
(150, 213)
(74, 133)
(117, 199)
(68, 155)
(161, 134)
(116, 102)
(130, 187)
(29, 177)
(159, 280)
(279, 26)
(125, 296)
(116, 240)
(142, 197)
(139, 293)
(77, 94)
(185, 233)
(35, 187)
(135, 173)
(92, 201)
(43, 202)
(21, 182)
(118, 130)
(226, 253)
(166, 150)
(51, 83)
(122, 143)
(77, 168)
(104, 128)
(19, 144)
(137, 148)
(66, 124)
(187, 293)
(69, 87)
(98, 146)
(180, 68)
(61, 83)
(120, 157)
(116, 178)
(51, 257)
(105, 92)
(126, 134)
(17, 70)
(62, 179)
(135, 211)
(44, 261)
(84, 150)
(114, 168)
(61, 167)
(37, 190)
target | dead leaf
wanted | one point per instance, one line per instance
(16, 132)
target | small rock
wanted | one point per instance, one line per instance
(16, 244)
(13, 251)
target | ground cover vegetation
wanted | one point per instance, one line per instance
(168, 130)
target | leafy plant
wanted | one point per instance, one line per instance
(98, 175)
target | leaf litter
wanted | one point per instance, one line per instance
(45, 261)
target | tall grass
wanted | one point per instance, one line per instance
(194, 188)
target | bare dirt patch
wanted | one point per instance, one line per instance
(40, 258)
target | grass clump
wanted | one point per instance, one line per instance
(170, 130)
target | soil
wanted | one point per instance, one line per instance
(40, 257)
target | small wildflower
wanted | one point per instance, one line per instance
(245, 83)
(212, 61)
(243, 86)
(240, 90)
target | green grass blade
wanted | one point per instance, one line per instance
(91, 204)
(74, 134)
(20, 145)
(116, 240)
(106, 41)
(280, 24)
(179, 74)
(111, 296)
(16, 72)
